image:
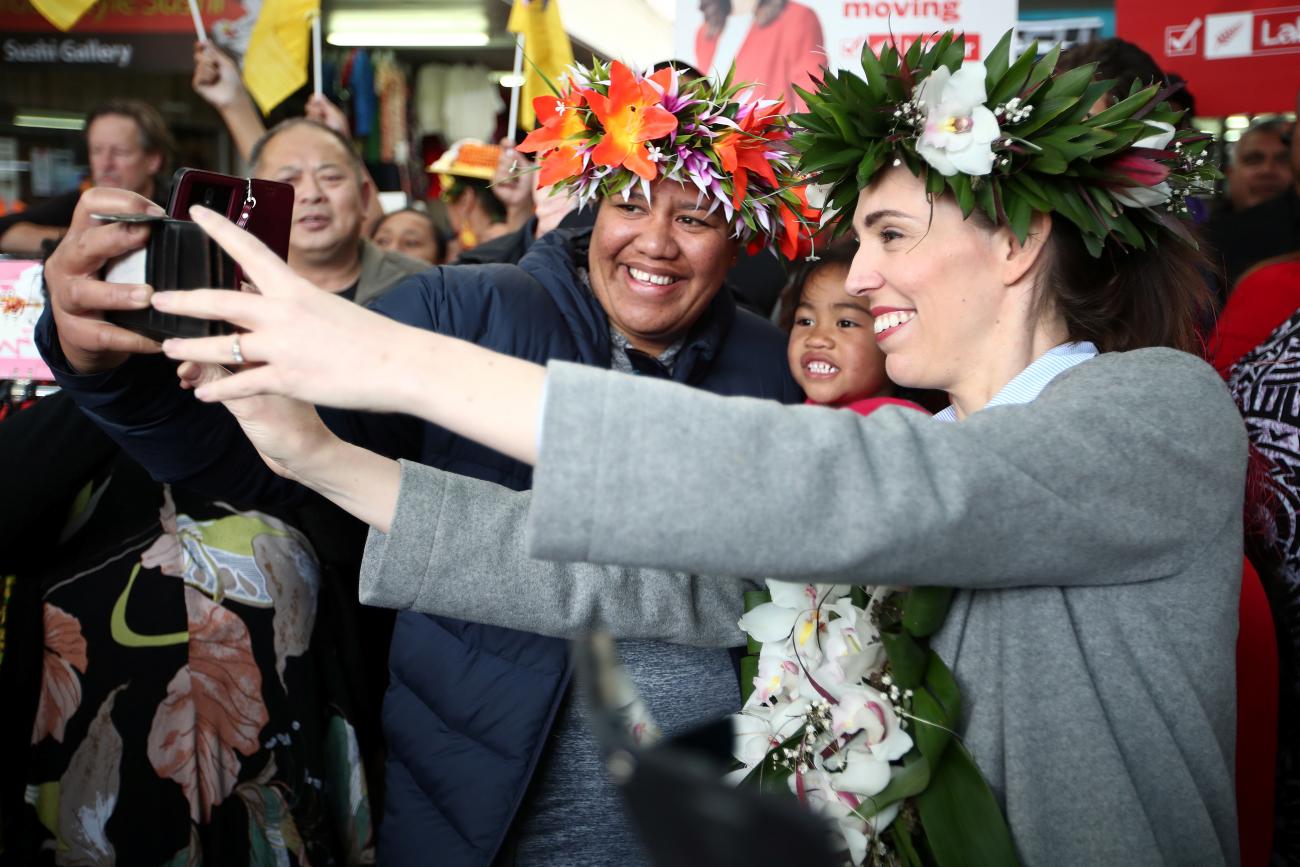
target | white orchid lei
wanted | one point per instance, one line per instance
(849, 710)
(1007, 137)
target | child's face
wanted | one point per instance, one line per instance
(832, 352)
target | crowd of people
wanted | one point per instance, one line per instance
(447, 412)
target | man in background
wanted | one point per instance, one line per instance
(332, 194)
(1260, 166)
(1242, 239)
(128, 146)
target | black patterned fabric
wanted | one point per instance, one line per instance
(1266, 386)
(182, 690)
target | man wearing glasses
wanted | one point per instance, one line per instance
(128, 145)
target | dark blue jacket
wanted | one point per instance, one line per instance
(469, 706)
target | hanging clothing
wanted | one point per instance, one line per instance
(457, 101)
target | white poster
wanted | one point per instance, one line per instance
(779, 43)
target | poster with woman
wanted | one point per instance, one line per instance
(782, 43)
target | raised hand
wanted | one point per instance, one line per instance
(216, 77)
(320, 109)
(305, 343)
(512, 182)
(299, 341)
(79, 298)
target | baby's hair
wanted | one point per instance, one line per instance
(839, 254)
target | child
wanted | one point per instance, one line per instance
(832, 351)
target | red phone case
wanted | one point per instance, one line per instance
(263, 208)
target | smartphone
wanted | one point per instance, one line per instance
(179, 255)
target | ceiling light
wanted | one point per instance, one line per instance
(397, 39)
(431, 28)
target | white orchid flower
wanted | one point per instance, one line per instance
(751, 737)
(864, 774)
(843, 809)
(862, 709)
(778, 675)
(959, 129)
(798, 613)
(1160, 139)
(1142, 197)
(852, 646)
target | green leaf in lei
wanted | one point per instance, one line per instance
(963, 822)
(906, 782)
(926, 608)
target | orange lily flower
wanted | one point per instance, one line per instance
(631, 116)
(741, 151)
(561, 130)
(796, 239)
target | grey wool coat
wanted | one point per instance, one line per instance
(1094, 535)
(456, 548)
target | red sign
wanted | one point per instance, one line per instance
(903, 41)
(1237, 59)
(123, 16)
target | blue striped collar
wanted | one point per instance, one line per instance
(1030, 382)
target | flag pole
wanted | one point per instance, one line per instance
(512, 125)
(315, 52)
(198, 21)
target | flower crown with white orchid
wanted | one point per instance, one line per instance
(1009, 138)
(608, 129)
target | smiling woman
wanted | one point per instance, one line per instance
(655, 267)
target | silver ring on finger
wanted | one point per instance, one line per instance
(236, 352)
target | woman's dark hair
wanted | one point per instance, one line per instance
(439, 240)
(480, 189)
(1126, 300)
(838, 254)
(1122, 61)
(155, 137)
(716, 12)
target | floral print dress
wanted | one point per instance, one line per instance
(190, 711)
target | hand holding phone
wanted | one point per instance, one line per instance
(179, 255)
(80, 299)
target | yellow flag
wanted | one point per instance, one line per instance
(62, 13)
(546, 50)
(275, 63)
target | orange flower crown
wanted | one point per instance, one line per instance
(609, 129)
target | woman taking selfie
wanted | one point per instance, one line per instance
(1082, 494)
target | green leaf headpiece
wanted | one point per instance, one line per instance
(1007, 137)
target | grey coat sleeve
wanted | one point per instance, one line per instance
(1123, 468)
(456, 548)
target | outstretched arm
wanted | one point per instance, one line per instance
(457, 548)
